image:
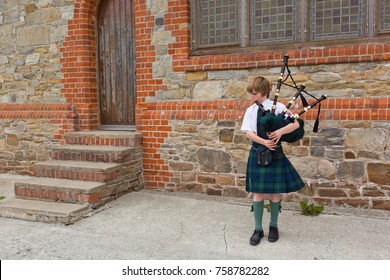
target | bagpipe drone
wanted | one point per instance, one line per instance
(272, 122)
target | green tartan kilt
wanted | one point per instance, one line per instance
(278, 177)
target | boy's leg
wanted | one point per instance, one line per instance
(273, 227)
(258, 210)
(275, 209)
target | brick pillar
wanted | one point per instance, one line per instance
(79, 64)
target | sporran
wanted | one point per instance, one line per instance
(264, 158)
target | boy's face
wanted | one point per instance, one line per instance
(256, 96)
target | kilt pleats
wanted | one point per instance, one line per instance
(279, 177)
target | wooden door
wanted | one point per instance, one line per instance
(116, 64)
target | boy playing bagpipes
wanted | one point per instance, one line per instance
(268, 170)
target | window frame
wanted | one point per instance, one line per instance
(377, 20)
(372, 31)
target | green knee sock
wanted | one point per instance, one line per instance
(258, 209)
(275, 208)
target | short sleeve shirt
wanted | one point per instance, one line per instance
(249, 122)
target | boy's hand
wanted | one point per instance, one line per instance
(270, 144)
(276, 135)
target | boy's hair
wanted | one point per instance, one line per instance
(259, 85)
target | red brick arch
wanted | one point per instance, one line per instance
(79, 63)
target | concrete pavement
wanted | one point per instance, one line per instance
(159, 225)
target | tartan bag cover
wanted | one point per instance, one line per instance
(278, 177)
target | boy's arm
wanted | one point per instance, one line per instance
(270, 144)
(277, 134)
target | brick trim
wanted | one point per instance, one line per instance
(79, 63)
(298, 57)
(145, 56)
(369, 108)
(34, 111)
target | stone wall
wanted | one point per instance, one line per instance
(191, 123)
(31, 33)
(28, 132)
(347, 162)
(23, 143)
(33, 113)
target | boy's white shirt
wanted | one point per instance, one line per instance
(249, 122)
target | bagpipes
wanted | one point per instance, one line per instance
(272, 122)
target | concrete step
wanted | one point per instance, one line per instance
(42, 211)
(79, 170)
(107, 138)
(60, 190)
(93, 153)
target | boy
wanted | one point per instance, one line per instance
(279, 176)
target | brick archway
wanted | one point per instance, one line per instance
(79, 63)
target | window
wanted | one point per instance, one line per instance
(273, 21)
(385, 16)
(260, 23)
(331, 19)
(218, 22)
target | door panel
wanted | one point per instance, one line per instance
(116, 63)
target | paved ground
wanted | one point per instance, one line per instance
(158, 225)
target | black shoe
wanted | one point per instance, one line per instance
(256, 237)
(273, 235)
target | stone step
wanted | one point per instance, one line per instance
(102, 137)
(79, 170)
(60, 190)
(43, 211)
(94, 167)
(93, 153)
